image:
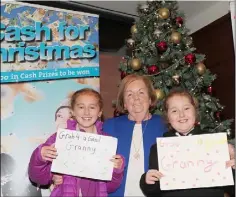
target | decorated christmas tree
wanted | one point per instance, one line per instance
(161, 48)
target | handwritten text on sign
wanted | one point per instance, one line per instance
(84, 154)
(194, 161)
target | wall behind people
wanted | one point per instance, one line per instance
(109, 80)
(216, 42)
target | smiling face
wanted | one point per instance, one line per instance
(86, 111)
(136, 99)
(181, 113)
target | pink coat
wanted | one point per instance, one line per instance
(40, 173)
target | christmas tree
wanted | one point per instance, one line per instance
(162, 49)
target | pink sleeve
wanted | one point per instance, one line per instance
(117, 178)
(39, 170)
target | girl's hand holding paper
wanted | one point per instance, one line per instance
(49, 153)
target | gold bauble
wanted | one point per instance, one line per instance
(134, 29)
(175, 37)
(164, 13)
(159, 94)
(135, 63)
(201, 68)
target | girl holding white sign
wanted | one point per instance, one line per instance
(86, 105)
(181, 113)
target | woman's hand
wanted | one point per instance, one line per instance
(57, 179)
(118, 161)
(49, 153)
(231, 162)
(152, 176)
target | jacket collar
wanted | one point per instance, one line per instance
(71, 124)
(195, 131)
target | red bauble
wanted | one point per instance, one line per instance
(179, 21)
(162, 46)
(209, 89)
(190, 58)
(153, 69)
(123, 74)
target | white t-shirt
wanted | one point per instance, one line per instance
(136, 163)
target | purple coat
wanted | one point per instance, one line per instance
(40, 173)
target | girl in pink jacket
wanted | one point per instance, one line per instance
(86, 107)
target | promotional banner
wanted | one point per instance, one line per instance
(37, 85)
(38, 43)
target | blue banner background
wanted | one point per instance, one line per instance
(21, 15)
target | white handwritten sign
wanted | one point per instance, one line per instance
(194, 161)
(84, 154)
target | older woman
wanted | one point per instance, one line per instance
(136, 131)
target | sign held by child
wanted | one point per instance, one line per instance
(194, 161)
(84, 154)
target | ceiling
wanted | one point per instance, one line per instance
(190, 8)
(120, 15)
